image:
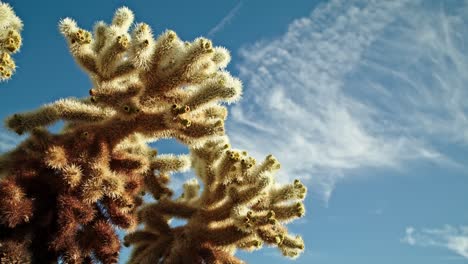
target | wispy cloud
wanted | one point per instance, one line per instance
(357, 84)
(225, 20)
(415, 73)
(449, 237)
(8, 140)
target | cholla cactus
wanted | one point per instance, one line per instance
(62, 194)
(240, 206)
(10, 40)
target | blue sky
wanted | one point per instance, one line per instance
(363, 100)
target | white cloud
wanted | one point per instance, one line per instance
(409, 238)
(416, 73)
(449, 237)
(357, 84)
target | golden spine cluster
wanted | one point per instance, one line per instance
(63, 194)
(10, 40)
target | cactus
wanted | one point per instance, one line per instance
(10, 40)
(240, 207)
(62, 194)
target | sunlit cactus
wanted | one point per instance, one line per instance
(239, 207)
(62, 194)
(10, 40)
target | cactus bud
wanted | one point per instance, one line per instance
(185, 122)
(270, 214)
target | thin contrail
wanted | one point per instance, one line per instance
(225, 20)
